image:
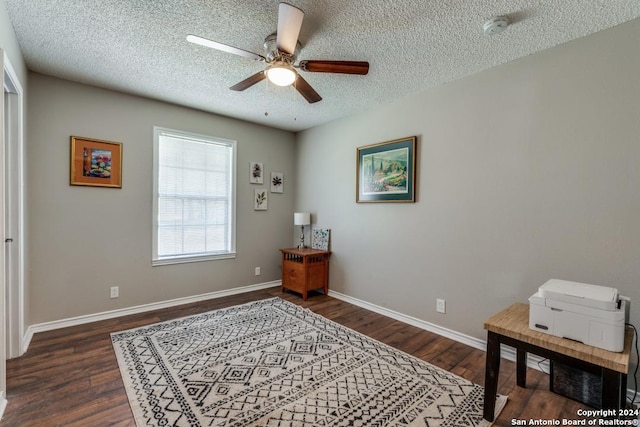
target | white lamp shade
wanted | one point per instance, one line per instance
(301, 218)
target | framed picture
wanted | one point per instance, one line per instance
(320, 238)
(260, 201)
(95, 162)
(385, 172)
(256, 173)
(277, 182)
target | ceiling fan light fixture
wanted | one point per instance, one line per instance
(281, 74)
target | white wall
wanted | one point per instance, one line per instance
(526, 172)
(84, 240)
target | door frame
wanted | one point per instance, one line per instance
(14, 307)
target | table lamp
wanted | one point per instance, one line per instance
(302, 219)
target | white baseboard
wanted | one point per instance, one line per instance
(506, 352)
(414, 321)
(26, 340)
(3, 403)
(80, 320)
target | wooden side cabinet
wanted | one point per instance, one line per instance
(304, 270)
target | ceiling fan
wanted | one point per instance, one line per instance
(283, 47)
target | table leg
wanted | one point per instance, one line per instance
(613, 394)
(492, 368)
(521, 368)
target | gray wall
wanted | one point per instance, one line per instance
(84, 239)
(526, 172)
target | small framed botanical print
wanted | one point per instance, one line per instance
(260, 201)
(256, 173)
(277, 182)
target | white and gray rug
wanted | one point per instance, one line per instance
(273, 363)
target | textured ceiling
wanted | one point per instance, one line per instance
(140, 47)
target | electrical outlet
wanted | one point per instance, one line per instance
(257, 271)
(115, 292)
(440, 305)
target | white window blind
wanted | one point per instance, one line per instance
(194, 197)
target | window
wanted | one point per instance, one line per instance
(194, 197)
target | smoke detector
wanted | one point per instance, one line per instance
(495, 25)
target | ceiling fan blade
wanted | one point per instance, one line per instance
(224, 47)
(306, 90)
(249, 81)
(289, 24)
(341, 67)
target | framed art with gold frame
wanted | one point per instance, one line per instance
(95, 162)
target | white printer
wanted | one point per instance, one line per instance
(593, 315)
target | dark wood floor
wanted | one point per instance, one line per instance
(70, 377)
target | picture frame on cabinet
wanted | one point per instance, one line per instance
(320, 238)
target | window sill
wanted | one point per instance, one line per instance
(188, 259)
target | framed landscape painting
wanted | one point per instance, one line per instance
(95, 162)
(385, 172)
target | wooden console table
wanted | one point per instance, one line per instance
(304, 270)
(511, 327)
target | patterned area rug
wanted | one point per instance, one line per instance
(273, 363)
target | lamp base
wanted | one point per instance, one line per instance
(302, 245)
